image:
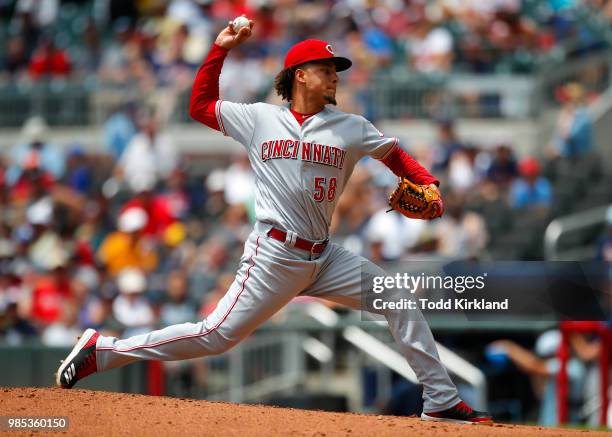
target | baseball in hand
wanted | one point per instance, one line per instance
(239, 23)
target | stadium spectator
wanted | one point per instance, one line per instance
(157, 209)
(120, 128)
(63, 332)
(460, 233)
(15, 60)
(15, 327)
(430, 47)
(176, 196)
(172, 61)
(196, 15)
(12, 288)
(543, 366)
(43, 12)
(378, 43)
(127, 247)
(382, 231)
(45, 245)
(131, 308)
(233, 227)
(97, 313)
(49, 61)
(90, 55)
(94, 225)
(28, 29)
(573, 137)
(78, 174)
(447, 145)
(150, 156)
(215, 190)
(239, 181)
(462, 172)
(531, 190)
(52, 292)
(35, 153)
(116, 56)
(177, 249)
(503, 168)
(211, 260)
(177, 306)
(31, 185)
(231, 84)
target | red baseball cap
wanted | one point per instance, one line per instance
(529, 167)
(314, 50)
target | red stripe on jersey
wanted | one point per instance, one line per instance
(219, 117)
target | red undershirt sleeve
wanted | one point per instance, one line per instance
(205, 91)
(402, 164)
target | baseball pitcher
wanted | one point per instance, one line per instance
(302, 156)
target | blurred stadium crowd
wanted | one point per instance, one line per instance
(129, 241)
(137, 237)
(153, 43)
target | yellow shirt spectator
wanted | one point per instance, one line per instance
(125, 247)
(120, 250)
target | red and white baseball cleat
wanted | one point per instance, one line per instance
(80, 362)
(460, 413)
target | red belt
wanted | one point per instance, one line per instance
(300, 243)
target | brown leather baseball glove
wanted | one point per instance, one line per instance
(416, 201)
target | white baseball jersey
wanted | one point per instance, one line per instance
(300, 170)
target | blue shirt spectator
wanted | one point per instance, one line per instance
(379, 42)
(531, 189)
(119, 130)
(579, 141)
(574, 135)
(525, 194)
(78, 174)
(35, 153)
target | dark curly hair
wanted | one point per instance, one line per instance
(283, 83)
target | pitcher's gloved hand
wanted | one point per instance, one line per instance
(417, 201)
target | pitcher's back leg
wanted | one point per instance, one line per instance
(261, 288)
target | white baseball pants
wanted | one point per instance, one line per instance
(270, 275)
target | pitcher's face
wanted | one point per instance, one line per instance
(320, 80)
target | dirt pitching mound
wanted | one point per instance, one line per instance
(119, 414)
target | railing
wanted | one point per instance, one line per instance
(388, 357)
(61, 103)
(398, 94)
(391, 94)
(572, 223)
(262, 365)
(594, 71)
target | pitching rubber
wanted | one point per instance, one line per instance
(75, 350)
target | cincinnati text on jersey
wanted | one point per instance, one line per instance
(311, 152)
